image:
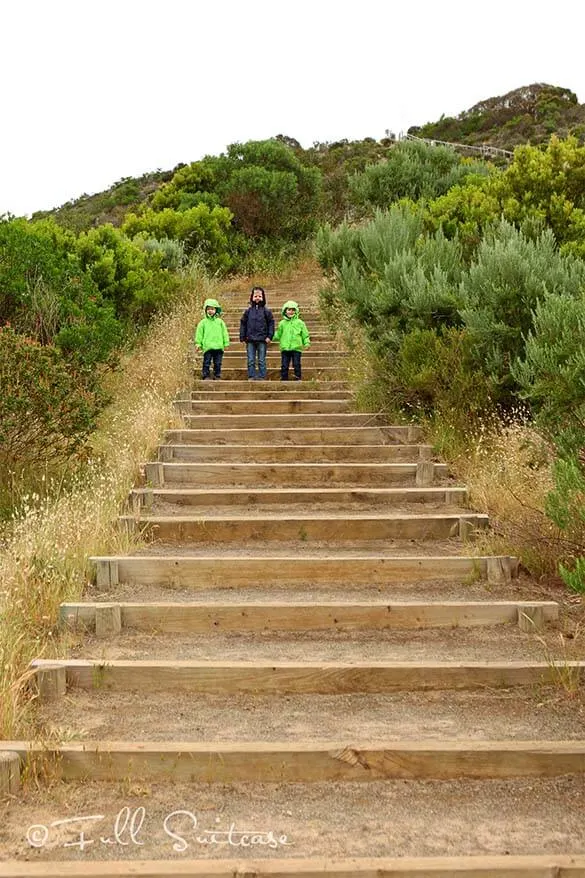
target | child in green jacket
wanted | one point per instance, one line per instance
(293, 336)
(211, 337)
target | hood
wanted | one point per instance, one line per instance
(212, 303)
(263, 295)
(290, 304)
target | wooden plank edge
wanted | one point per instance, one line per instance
(479, 866)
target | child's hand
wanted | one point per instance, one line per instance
(268, 340)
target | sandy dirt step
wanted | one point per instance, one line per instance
(305, 527)
(390, 818)
(295, 454)
(451, 499)
(177, 506)
(430, 645)
(372, 435)
(545, 713)
(168, 617)
(421, 590)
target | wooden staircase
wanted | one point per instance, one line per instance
(309, 655)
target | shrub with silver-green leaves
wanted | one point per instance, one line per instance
(411, 170)
(552, 377)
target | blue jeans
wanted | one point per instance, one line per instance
(285, 358)
(251, 348)
(217, 357)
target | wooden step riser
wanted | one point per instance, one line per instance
(192, 572)
(264, 407)
(280, 387)
(309, 373)
(301, 476)
(210, 618)
(287, 678)
(145, 497)
(483, 866)
(267, 422)
(306, 530)
(273, 364)
(279, 763)
(295, 454)
(251, 395)
(321, 353)
(295, 436)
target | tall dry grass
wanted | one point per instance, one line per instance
(507, 467)
(45, 555)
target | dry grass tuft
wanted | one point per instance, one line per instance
(508, 470)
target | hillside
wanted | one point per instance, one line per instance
(111, 206)
(529, 114)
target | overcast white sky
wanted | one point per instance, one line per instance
(97, 90)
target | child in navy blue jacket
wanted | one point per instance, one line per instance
(256, 330)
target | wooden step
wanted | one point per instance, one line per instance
(295, 453)
(245, 421)
(209, 617)
(308, 762)
(274, 385)
(478, 866)
(303, 475)
(309, 373)
(146, 497)
(202, 571)
(379, 435)
(318, 352)
(261, 676)
(256, 391)
(263, 406)
(305, 528)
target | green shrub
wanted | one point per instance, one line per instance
(411, 170)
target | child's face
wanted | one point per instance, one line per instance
(256, 296)
(289, 312)
(210, 311)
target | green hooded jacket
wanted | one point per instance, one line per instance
(211, 333)
(292, 333)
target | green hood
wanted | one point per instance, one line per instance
(290, 304)
(212, 303)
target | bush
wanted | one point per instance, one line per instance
(412, 170)
(45, 293)
(46, 411)
(202, 231)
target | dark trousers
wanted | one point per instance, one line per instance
(285, 358)
(217, 357)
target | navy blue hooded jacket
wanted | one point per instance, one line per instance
(257, 323)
